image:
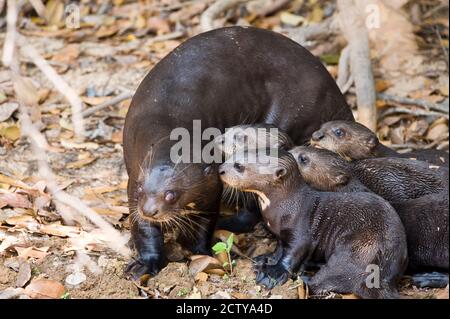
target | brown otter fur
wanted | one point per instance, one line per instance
(351, 232)
(425, 217)
(355, 141)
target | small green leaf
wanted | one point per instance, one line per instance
(225, 264)
(230, 242)
(233, 263)
(66, 295)
(219, 247)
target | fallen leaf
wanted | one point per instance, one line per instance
(7, 109)
(44, 289)
(72, 144)
(81, 163)
(60, 230)
(24, 274)
(11, 132)
(291, 19)
(203, 263)
(32, 252)
(14, 200)
(25, 91)
(437, 131)
(54, 11)
(201, 277)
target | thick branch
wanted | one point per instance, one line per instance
(207, 18)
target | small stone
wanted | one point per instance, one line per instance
(75, 278)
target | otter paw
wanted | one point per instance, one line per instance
(271, 275)
(138, 268)
(266, 259)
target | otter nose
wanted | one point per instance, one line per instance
(317, 136)
(148, 207)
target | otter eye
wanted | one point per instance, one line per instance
(170, 197)
(338, 132)
(238, 167)
(303, 159)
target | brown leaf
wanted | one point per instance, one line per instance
(26, 92)
(203, 263)
(10, 132)
(201, 277)
(80, 163)
(44, 289)
(437, 131)
(32, 252)
(24, 274)
(14, 200)
(60, 230)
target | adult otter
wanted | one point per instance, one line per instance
(355, 141)
(352, 232)
(223, 78)
(425, 218)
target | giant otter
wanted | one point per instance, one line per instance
(222, 78)
(355, 141)
(240, 138)
(425, 217)
(352, 232)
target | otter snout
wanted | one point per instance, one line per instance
(317, 136)
(148, 207)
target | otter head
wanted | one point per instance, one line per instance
(348, 139)
(257, 136)
(322, 169)
(259, 170)
(168, 191)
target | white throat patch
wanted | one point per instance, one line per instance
(264, 201)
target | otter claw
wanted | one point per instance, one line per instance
(137, 268)
(271, 275)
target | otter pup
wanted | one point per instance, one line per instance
(355, 141)
(240, 138)
(352, 232)
(425, 218)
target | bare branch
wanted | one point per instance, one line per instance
(11, 34)
(114, 100)
(207, 18)
(59, 83)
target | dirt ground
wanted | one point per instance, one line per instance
(102, 60)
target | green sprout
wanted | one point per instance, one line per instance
(221, 247)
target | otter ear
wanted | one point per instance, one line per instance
(209, 170)
(342, 179)
(279, 173)
(372, 141)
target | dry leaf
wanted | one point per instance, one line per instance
(44, 289)
(201, 277)
(14, 200)
(25, 91)
(291, 19)
(437, 131)
(60, 230)
(203, 263)
(72, 144)
(95, 100)
(11, 132)
(6, 110)
(54, 12)
(32, 252)
(81, 163)
(24, 274)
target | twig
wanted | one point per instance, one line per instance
(114, 100)
(316, 31)
(344, 78)
(441, 107)
(419, 146)
(274, 7)
(39, 8)
(59, 84)
(354, 30)
(11, 34)
(115, 240)
(165, 37)
(207, 17)
(404, 110)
